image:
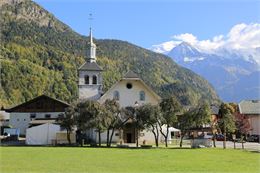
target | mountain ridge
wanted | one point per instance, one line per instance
(39, 59)
(226, 71)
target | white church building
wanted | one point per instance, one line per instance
(129, 91)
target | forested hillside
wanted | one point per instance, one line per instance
(40, 54)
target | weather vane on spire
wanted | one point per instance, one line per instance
(90, 18)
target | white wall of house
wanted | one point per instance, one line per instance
(115, 138)
(21, 120)
(128, 97)
(255, 124)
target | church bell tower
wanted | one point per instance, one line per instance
(90, 74)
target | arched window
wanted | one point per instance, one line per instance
(86, 79)
(94, 81)
(116, 95)
(142, 95)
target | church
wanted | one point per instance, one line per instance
(129, 91)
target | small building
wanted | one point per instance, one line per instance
(251, 109)
(40, 110)
(43, 134)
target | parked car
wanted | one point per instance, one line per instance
(220, 137)
(253, 138)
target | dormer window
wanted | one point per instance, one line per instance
(94, 81)
(116, 95)
(86, 79)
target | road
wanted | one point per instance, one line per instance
(252, 146)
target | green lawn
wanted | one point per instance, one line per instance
(113, 160)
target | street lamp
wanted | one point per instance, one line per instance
(136, 125)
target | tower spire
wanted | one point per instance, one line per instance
(91, 54)
(90, 35)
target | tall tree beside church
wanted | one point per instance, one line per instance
(67, 121)
(226, 120)
(170, 107)
(92, 115)
(149, 116)
(113, 114)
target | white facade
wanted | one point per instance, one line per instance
(22, 120)
(130, 92)
(131, 96)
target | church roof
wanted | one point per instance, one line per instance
(130, 74)
(91, 66)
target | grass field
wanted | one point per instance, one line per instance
(114, 160)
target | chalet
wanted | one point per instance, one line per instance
(251, 108)
(40, 110)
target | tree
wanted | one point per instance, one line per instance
(67, 121)
(130, 113)
(113, 114)
(226, 121)
(242, 124)
(202, 115)
(194, 118)
(170, 107)
(185, 123)
(92, 115)
(149, 117)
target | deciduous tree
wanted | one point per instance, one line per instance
(226, 121)
(67, 121)
(92, 115)
(113, 114)
(149, 116)
(170, 107)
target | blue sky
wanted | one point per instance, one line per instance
(149, 22)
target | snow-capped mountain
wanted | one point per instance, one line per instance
(235, 75)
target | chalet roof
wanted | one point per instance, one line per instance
(90, 66)
(249, 107)
(131, 74)
(34, 100)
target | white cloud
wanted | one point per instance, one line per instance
(187, 37)
(241, 36)
(165, 47)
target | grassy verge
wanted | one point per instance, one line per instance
(106, 160)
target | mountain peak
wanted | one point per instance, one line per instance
(187, 47)
(29, 11)
(184, 43)
(184, 49)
